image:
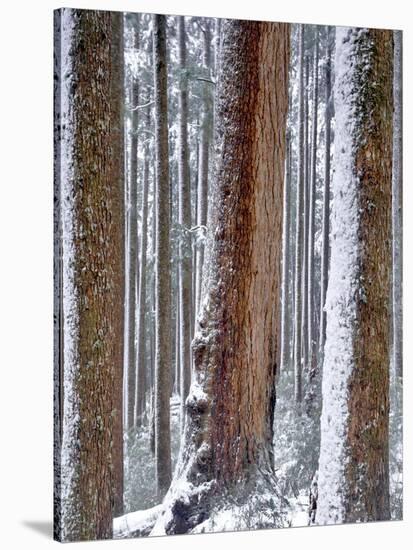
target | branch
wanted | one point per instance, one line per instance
(206, 80)
(148, 104)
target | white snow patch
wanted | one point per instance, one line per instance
(129, 524)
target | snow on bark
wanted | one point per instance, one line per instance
(342, 289)
(70, 449)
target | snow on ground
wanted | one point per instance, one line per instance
(136, 523)
(299, 510)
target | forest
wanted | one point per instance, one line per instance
(227, 275)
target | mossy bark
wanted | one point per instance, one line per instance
(95, 490)
(367, 472)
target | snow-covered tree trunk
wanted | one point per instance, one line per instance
(299, 229)
(325, 247)
(92, 213)
(285, 290)
(163, 268)
(185, 246)
(353, 467)
(229, 411)
(397, 209)
(142, 368)
(311, 225)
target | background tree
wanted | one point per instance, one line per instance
(163, 275)
(299, 227)
(93, 271)
(325, 254)
(185, 247)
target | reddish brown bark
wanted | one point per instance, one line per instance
(228, 435)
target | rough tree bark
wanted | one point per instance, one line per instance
(299, 227)
(325, 247)
(228, 431)
(354, 470)
(185, 245)
(163, 269)
(92, 199)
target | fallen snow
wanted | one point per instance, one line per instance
(135, 523)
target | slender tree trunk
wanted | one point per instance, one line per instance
(311, 226)
(92, 210)
(299, 226)
(229, 428)
(285, 318)
(397, 214)
(185, 259)
(354, 469)
(141, 385)
(206, 130)
(133, 246)
(304, 322)
(325, 251)
(163, 274)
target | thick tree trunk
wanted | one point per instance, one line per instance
(163, 270)
(133, 246)
(93, 271)
(185, 246)
(325, 251)
(299, 228)
(397, 214)
(354, 471)
(142, 369)
(228, 431)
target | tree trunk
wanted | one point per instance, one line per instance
(304, 318)
(206, 131)
(397, 214)
(163, 270)
(299, 227)
(285, 318)
(141, 385)
(229, 412)
(311, 228)
(93, 271)
(133, 246)
(325, 251)
(185, 250)
(354, 471)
